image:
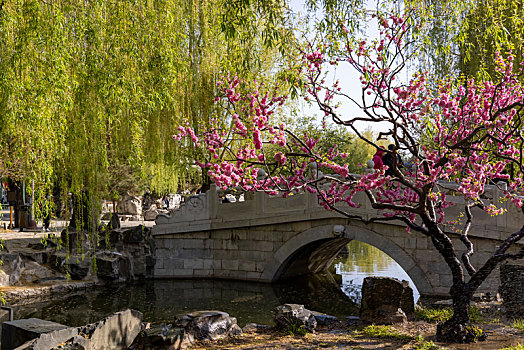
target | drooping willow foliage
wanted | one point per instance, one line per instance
(461, 37)
(91, 91)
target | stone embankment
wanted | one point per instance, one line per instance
(33, 267)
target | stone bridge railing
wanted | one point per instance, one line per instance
(207, 211)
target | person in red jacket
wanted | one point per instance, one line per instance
(377, 159)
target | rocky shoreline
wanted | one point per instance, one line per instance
(295, 328)
(17, 295)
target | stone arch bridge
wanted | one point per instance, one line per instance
(266, 239)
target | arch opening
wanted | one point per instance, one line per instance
(303, 253)
(311, 258)
(362, 260)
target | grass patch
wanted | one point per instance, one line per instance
(518, 324)
(294, 329)
(428, 345)
(389, 332)
(443, 314)
(433, 315)
(514, 347)
(475, 315)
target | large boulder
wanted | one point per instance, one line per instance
(163, 337)
(77, 240)
(33, 272)
(386, 300)
(112, 266)
(295, 315)
(76, 265)
(108, 239)
(117, 331)
(511, 287)
(324, 320)
(151, 213)
(208, 325)
(129, 205)
(78, 268)
(39, 257)
(114, 223)
(57, 261)
(17, 333)
(135, 234)
(11, 269)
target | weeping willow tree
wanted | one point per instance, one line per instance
(460, 38)
(91, 91)
(490, 26)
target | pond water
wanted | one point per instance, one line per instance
(362, 260)
(336, 292)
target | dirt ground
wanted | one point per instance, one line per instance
(499, 336)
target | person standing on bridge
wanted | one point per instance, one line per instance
(389, 160)
(377, 159)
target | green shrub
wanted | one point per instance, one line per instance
(475, 315)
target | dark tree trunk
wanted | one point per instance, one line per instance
(206, 182)
(458, 329)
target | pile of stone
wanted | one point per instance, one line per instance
(123, 254)
(385, 300)
(122, 330)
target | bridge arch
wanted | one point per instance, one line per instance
(315, 249)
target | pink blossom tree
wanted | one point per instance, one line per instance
(467, 132)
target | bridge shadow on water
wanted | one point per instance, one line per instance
(161, 300)
(319, 292)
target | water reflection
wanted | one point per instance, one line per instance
(362, 260)
(336, 293)
(161, 300)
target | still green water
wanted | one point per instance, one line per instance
(336, 293)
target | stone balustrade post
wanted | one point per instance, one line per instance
(260, 203)
(498, 196)
(212, 201)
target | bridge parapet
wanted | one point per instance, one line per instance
(207, 211)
